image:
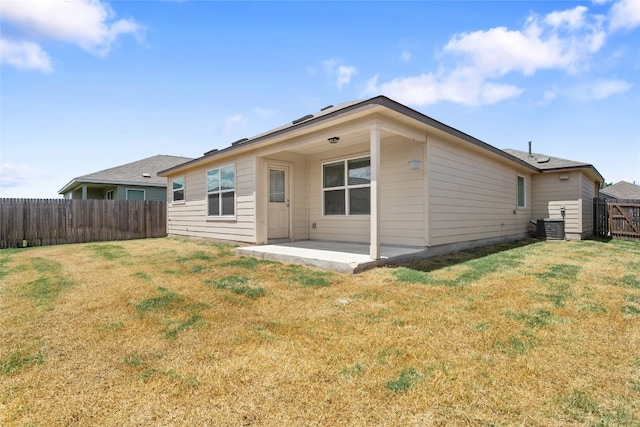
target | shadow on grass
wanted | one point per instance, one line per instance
(481, 261)
(448, 260)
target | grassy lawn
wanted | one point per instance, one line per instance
(164, 332)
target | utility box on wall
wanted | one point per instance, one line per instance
(551, 229)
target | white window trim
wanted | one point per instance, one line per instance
(235, 194)
(345, 187)
(144, 193)
(524, 182)
(184, 190)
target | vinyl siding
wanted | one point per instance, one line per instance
(472, 197)
(150, 193)
(402, 220)
(551, 193)
(189, 218)
(587, 194)
(402, 207)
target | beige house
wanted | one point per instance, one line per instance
(564, 189)
(373, 172)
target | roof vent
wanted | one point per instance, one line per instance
(543, 159)
(210, 151)
(240, 141)
(326, 108)
(302, 119)
(146, 175)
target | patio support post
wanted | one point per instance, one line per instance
(374, 142)
(84, 191)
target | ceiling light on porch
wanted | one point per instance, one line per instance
(333, 140)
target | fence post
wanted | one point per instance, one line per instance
(58, 221)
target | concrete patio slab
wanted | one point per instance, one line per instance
(341, 257)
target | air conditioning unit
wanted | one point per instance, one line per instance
(551, 229)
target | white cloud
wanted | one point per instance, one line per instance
(461, 87)
(24, 55)
(15, 175)
(405, 56)
(230, 123)
(264, 112)
(473, 63)
(572, 18)
(549, 95)
(342, 73)
(605, 89)
(624, 14)
(88, 24)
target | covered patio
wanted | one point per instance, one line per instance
(342, 257)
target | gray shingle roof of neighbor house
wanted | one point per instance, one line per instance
(550, 163)
(622, 190)
(141, 172)
(331, 112)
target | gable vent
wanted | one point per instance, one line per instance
(302, 119)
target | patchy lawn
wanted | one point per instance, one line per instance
(166, 332)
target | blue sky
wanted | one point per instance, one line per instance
(87, 85)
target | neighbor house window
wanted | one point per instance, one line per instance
(135, 194)
(178, 189)
(109, 195)
(221, 191)
(522, 193)
(346, 187)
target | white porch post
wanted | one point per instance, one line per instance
(84, 191)
(374, 142)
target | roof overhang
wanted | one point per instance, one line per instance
(379, 105)
(75, 183)
(588, 169)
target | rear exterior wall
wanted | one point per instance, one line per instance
(402, 208)
(557, 189)
(473, 197)
(189, 218)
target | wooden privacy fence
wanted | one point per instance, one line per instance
(618, 219)
(41, 222)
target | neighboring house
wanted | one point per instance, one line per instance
(134, 181)
(374, 172)
(564, 190)
(621, 191)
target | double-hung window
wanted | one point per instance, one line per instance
(346, 187)
(522, 192)
(178, 189)
(221, 191)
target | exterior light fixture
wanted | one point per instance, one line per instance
(415, 165)
(333, 140)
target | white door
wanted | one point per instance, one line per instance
(278, 214)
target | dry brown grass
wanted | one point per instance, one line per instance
(176, 333)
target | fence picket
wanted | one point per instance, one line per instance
(39, 222)
(617, 219)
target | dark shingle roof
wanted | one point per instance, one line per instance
(544, 162)
(132, 173)
(550, 163)
(622, 190)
